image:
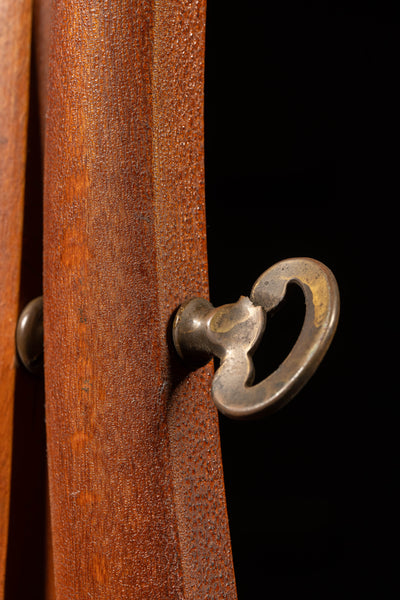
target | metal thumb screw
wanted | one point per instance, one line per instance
(233, 331)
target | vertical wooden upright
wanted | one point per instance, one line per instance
(136, 485)
(15, 34)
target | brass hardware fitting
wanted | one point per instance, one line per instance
(232, 332)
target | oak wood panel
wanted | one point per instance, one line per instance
(136, 486)
(15, 19)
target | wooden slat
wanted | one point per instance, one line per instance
(41, 38)
(136, 486)
(15, 25)
(40, 47)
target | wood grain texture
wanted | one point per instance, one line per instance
(136, 485)
(42, 11)
(15, 23)
(26, 548)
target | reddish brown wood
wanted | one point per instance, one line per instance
(15, 18)
(41, 38)
(49, 584)
(136, 486)
(26, 549)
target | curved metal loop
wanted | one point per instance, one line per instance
(232, 332)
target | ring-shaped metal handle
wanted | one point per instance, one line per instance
(232, 332)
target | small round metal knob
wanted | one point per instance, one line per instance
(29, 336)
(233, 331)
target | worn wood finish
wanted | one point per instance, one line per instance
(136, 486)
(15, 19)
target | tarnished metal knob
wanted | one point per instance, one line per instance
(233, 331)
(29, 336)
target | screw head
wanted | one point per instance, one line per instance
(29, 336)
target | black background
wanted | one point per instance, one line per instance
(301, 160)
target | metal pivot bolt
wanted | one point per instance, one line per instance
(231, 332)
(29, 336)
